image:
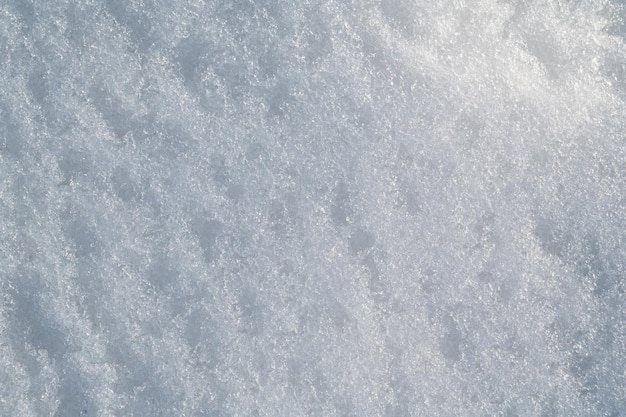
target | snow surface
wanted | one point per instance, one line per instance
(312, 208)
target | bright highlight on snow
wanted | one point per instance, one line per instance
(312, 208)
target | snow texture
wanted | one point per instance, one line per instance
(312, 208)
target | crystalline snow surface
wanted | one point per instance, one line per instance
(381, 208)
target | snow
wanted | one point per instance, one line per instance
(312, 208)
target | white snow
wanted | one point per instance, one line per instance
(312, 208)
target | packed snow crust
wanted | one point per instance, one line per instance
(312, 208)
